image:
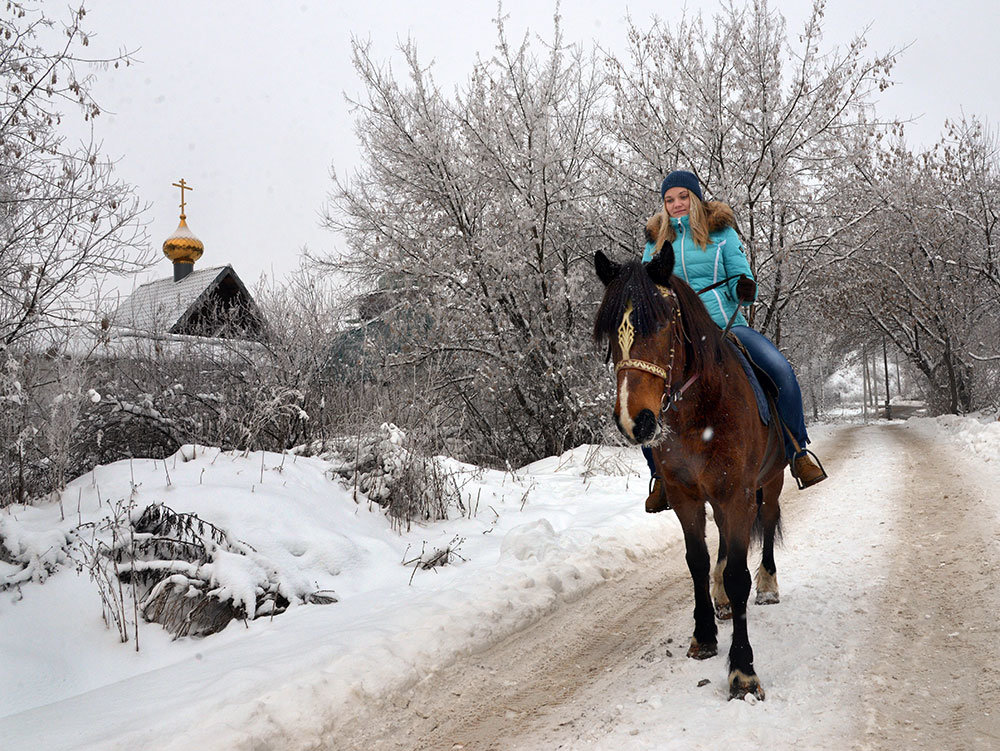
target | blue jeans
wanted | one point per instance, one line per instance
(766, 356)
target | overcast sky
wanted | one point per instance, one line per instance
(245, 98)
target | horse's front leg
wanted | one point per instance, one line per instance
(705, 642)
(742, 676)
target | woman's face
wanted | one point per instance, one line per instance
(677, 202)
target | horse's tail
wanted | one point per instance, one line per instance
(759, 528)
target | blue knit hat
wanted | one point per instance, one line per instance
(681, 179)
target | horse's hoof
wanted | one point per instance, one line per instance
(724, 612)
(741, 685)
(767, 598)
(700, 651)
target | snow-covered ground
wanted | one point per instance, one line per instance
(531, 541)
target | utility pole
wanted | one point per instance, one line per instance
(885, 361)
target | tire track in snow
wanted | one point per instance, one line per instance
(850, 658)
(482, 701)
(554, 678)
(933, 678)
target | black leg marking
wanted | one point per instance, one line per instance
(742, 677)
(705, 641)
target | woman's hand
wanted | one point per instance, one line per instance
(746, 289)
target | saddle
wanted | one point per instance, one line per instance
(766, 395)
(761, 383)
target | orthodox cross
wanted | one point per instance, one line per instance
(183, 186)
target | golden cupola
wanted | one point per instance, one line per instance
(182, 247)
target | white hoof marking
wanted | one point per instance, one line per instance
(767, 587)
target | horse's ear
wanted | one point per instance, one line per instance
(662, 265)
(607, 269)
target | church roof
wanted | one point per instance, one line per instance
(165, 306)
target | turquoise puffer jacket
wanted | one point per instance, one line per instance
(722, 257)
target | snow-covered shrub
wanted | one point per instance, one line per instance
(435, 557)
(159, 395)
(381, 465)
(177, 560)
(31, 554)
(43, 401)
(181, 571)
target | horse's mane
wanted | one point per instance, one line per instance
(703, 338)
(652, 310)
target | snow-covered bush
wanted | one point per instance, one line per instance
(381, 466)
(30, 554)
(180, 571)
(44, 399)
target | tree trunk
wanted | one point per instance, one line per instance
(864, 382)
(812, 390)
(953, 382)
(874, 384)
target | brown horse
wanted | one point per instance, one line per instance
(682, 391)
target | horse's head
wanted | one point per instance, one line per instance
(640, 317)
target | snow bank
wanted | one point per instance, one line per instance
(978, 434)
(531, 539)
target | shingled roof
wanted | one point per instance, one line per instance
(185, 306)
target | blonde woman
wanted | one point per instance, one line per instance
(707, 251)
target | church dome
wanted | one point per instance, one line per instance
(182, 246)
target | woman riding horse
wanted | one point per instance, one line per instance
(684, 392)
(708, 250)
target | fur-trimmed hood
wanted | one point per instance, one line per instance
(719, 216)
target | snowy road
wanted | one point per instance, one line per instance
(886, 633)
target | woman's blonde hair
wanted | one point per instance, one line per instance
(696, 217)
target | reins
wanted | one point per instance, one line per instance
(710, 287)
(736, 310)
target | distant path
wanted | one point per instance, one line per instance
(905, 654)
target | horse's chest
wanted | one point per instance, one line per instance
(694, 460)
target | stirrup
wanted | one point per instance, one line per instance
(804, 453)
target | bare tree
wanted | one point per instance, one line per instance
(473, 221)
(769, 126)
(927, 278)
(66, 222)
(66, 225)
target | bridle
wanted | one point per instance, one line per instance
(626, 337)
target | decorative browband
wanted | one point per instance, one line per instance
(641, 365)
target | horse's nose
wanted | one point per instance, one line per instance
(645, 426)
